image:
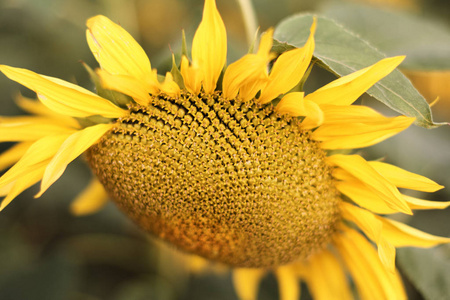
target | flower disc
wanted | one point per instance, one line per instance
(230, 181)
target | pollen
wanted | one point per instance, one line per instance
(231, 181)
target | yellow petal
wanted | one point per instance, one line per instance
(33, 175)
(359, 167)
(33, 106)
(115, 49)
(372, 280)
(287, 283)
(326, 278)
(249, 90)
(62, 98)
(342, 129)
(5, 189)
(36, 107)
(192, 75)
(72, 147)
(365, 220)
(169, 86)
(247, 69)
(17, 129)
(338, 114)
(416, 203)
(372, 227)
(295, 105)
(364, 196)
(345, 90)
(197, 264)
(91, 200)
(250, 69)
(209, 47)
(13, 154)
(41, 150)
(127, 85)
(359, 135)
(246, 282)
(288, 69)
(404, 179)
(401, 235)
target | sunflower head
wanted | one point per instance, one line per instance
(229, 180)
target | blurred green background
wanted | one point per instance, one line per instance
(46, 253)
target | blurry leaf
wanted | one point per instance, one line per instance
(111, 249)
(54, 279)
(426, 43)
(428, 270)
(146, 288)
(15, 255)
(343, 52)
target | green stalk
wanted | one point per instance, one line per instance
(249, 17)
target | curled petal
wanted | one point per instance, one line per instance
(251, 69)
(288, 69)
(192, 76)
(169, 86)
(248, 69)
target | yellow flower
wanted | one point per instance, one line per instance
(223, 172)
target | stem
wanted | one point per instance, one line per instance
(249, 17)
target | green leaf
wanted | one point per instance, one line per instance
(428, 270)
(425, 42)
(343, 52)
(113, 96)
(177, 77)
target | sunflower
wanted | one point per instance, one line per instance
(235, 164)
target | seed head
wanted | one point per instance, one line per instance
(230, 181)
